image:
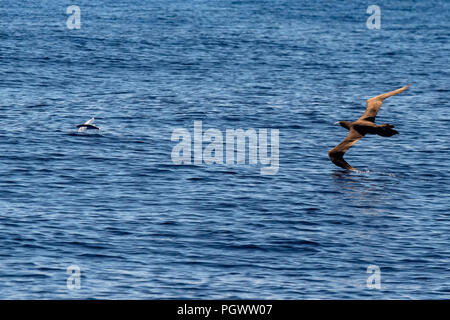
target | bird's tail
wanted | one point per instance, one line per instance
(386, 130)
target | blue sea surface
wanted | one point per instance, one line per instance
(140, 227)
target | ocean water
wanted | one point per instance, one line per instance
(140, 227)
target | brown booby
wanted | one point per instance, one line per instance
(364, 125)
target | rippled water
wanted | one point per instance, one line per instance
(140, 227)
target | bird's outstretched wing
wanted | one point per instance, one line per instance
(374, 104)
(337, 153)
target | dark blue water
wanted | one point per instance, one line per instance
(140, 227)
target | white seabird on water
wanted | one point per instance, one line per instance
(87, 125)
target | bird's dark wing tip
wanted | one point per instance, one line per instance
(337, 157)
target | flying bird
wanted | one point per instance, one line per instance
(87, 125)
(364, 125)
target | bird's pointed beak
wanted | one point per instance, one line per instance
(336, 123)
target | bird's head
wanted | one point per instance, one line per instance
(345, 124)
